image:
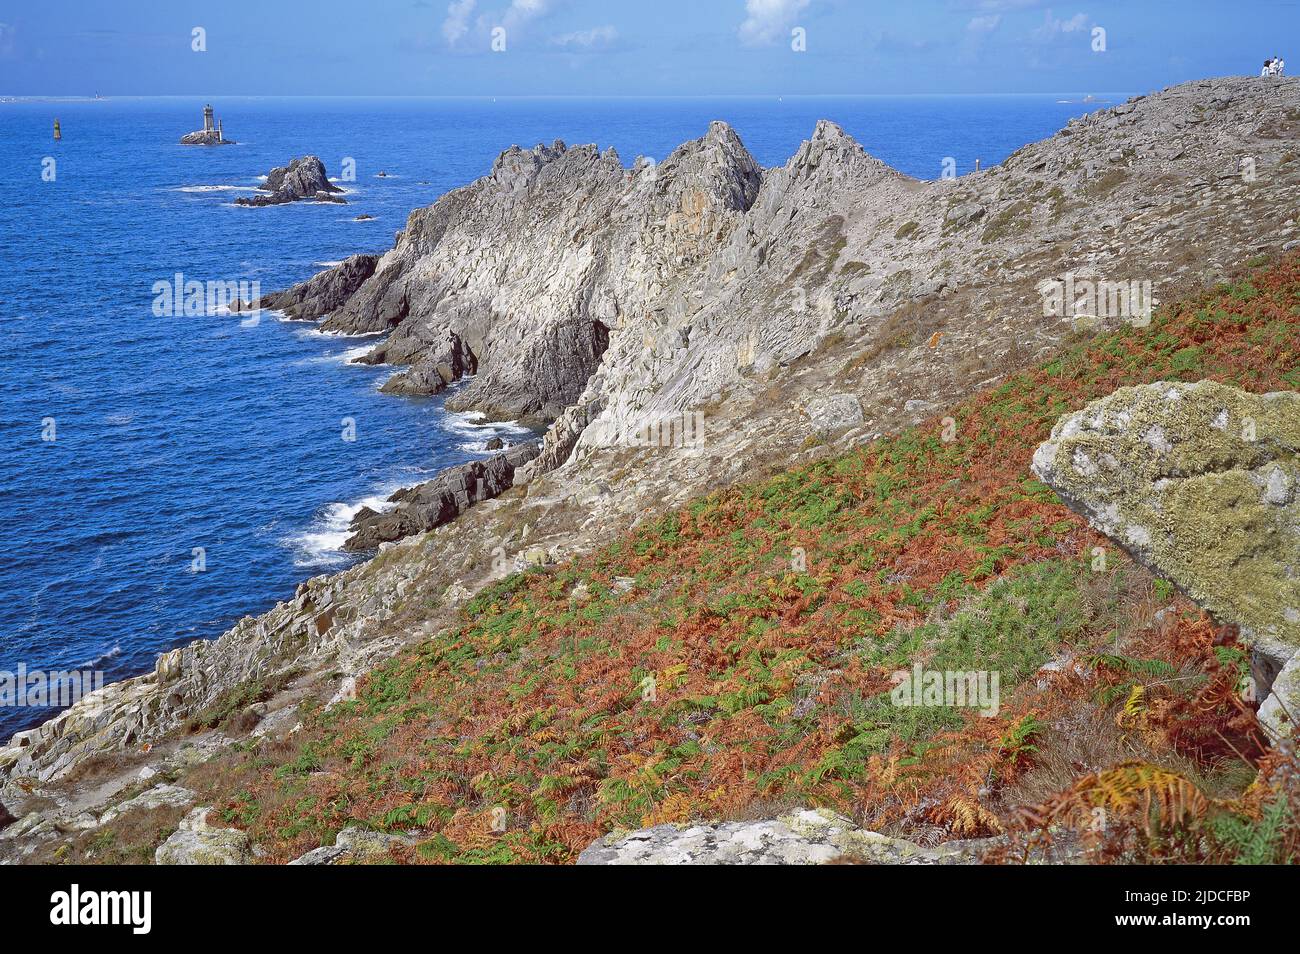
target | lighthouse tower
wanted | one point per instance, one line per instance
(208, 125)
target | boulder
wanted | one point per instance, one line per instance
(803, 837)
(357, 846)
(197, 843)
(160, 796)
(440, 500)
(1281, 710)
(1199, 483)
(836, 412)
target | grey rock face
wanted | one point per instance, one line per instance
(1280, 712)
(803, 837)
(440, 500)
(834, 413)
(589, 242)
(325, 292)
(303, 178)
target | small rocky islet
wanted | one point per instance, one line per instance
(870, 357)
(302, 180)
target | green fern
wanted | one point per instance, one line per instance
(1255, 842)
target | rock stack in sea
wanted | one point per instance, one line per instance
(303, 179)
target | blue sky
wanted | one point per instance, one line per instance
(615, 47)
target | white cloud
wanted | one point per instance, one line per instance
(587, 39)
(985, 24)
(1053, 27)
(457, 23)
(521, 11)
(769, 20)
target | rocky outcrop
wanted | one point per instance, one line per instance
(1199, 483)
(198, 843)
(322, 294)
(445, 359)
(440, 500)
(355, 846)
(802, 837)
(302, 179)
(160, 796)
(1279, 713)
(206, 137)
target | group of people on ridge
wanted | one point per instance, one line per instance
(1273, 67)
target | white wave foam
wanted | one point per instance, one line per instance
(349, 356)
(321, 544)
(465, 423)
(341, 334)
(217, 188)
(103, 657)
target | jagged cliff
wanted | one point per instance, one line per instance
(793, 310)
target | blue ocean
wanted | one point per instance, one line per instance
(161, 477)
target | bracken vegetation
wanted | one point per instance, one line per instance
(735, 657)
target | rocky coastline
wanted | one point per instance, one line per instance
(795, 310)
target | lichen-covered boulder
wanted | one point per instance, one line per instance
(803, 837)
(198, 843)
(160, 796)
(357, 846)
(1199, 483)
